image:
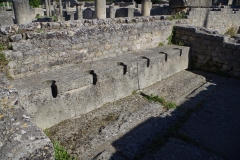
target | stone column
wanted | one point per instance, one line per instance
(67, 5)
(79, 10)
(130, 12)
(230, 2)
(7, 5)
(112, 11)
(60, 7)
(146, 7)
(100, 9)
(47, 8)
(21, 11)
(50, 7)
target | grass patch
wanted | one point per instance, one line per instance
(39, 31)
(60, 151)
(160, 44)
(231, 32)
(134, 92)
(180, 15)
(153, 98)
(3, 61)
(10, 47)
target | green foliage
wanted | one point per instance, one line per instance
(60, 152)
(180, 15)
(3, 61)
(134, 92)
(160, 44)
(172, 37)
(231, 32)
(2, 47)
(161, 100)
(173, 40)
(39, 30)
(10, 47)
(34, 3)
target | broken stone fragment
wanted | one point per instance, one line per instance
(16, 37)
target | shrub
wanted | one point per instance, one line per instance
(34, 3)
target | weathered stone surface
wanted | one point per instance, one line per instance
(82, 44)
(20, 138)
(16, 37)
(207, 57)
(119, 76)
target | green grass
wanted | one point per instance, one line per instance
(3, 61)
(166, 104)
(60, 151)
(177, 16)
(39, 30)
(231, 32)
(160, 44)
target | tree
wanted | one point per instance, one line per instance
(34, 3)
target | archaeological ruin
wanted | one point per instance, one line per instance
(77, 72)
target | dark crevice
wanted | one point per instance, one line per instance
(166, 56)
(148, 61)
(124, 67)
(54, 89)
(94, 76)
(179, 50)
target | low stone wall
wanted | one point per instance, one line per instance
(19, 137)
(87, 86)
(210, 52)
(42, 46)
(220, 19)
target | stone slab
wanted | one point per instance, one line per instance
(215, 124)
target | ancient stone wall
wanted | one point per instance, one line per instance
(220, 19)
(65, 43)
(210, 52)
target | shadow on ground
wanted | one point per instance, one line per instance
(204, 126)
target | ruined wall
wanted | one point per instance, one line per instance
(210, 52)
(55, 44)
(220, 19)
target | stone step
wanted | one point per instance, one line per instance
(87, 86)
(124, 128)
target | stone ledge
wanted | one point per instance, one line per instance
(19, 138)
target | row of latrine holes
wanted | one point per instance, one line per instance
(54, 86)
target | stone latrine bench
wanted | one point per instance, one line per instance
(86, 86)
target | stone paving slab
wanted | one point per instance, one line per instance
(177, 149)
(216, 124)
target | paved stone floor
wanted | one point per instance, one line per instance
(211, 131)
